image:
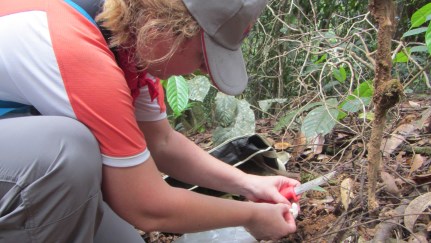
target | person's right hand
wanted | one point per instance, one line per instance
(271, 221)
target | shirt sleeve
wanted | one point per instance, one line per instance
(96, 88)
(148, 108)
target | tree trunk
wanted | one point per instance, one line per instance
(386, 90)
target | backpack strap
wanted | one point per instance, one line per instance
(90, 9)
(9, 107)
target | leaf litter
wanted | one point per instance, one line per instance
(339, 212)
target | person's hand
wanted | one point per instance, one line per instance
(271, 221)
(267, 188)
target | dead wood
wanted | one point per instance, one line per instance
(426, 150)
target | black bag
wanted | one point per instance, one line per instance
(251, 154)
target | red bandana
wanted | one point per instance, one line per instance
(136, 79)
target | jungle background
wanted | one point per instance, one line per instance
(312, 67)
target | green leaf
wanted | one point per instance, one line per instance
(266, 104)
(428, 38)
(287, 119)
(330, 86)
(340, 74)
(401, 57)
(226, 109)
(164, 83)
(354, 104)
(415, 31)
(341, 115)
(283, 30)
(320, 120)
(365, 89)
(419, 49)
(368, 115)
(321, 59)
(177, 93)
(199, 87)
(361, 97)
(244, 123)
(318, 188)
(420, 16)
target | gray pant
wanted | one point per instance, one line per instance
(50, 176)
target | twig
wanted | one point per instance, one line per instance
(421, 70)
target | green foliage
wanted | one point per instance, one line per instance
(360, 98)
(414, 56)
(420, 17)
(177, 94)
(289, 117)
(401, 57)
(234, 116)
(298, 54)
(415, 31)
(199, 87)
(428, 38)
(321, 120)
(324, 115)
(340, 74)
(226, 109)
(266, 104)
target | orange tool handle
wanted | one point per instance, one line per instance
(289, 194)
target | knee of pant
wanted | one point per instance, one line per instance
(74, 157)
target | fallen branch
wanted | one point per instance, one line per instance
(417, 150)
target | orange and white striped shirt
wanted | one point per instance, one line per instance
(55, 58)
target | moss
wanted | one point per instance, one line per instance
(388, 94)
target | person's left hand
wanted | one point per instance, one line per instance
(267, 188)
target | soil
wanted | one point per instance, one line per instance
(330, 216)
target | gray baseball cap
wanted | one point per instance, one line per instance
(225, 23)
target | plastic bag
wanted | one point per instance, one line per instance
(231, 235)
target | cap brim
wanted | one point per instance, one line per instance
(225, 67)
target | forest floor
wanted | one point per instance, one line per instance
(339, 213)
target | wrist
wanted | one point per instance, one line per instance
(246, 185)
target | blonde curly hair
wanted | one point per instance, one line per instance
(136, 24)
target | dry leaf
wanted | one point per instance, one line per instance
(341, 135)
(283, 156)
(418, 237)
(414, 104)
(424, 118)
(270, 141)
(390, 184)
(323, 157)
(399, 157)
(299, 144)
(346, 192)
(416, 162)
(327, 200)
(317, 144)
(422, 179)
(282, 145)
(396, 138)
(415, 208)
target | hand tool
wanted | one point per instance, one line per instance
(292, 193)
